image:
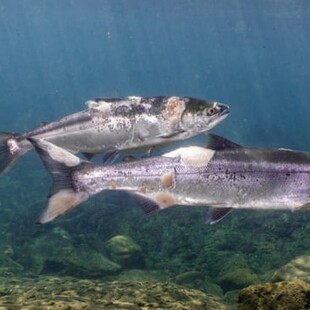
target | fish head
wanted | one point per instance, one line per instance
(202, 115)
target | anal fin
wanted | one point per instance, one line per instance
(148, 205)
(172, 134)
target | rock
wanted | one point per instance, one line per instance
(236, 279)
(294, 295)
(125, 251)
(298, 268)
(142, 275)
(49, 293)
(196, 280)
(8, 267)
(188, 277)
(56, 252)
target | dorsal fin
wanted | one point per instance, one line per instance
(219, 143)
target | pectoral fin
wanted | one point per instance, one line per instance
(171, 135)
(217, 214)
(156, 202)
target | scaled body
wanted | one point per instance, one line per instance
(223, 176)
(119, 124)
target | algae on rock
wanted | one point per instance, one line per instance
(298, 268)
(294, 295)
(124, 251)
(58, 253)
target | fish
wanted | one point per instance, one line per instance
(222, 176)
(110, 124)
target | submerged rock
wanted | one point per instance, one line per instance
(8, 267)
(294, 295)
(197, 280)
(188, 277)
(236, 279)
(56, 252)
(142, 275)
(124, 251)
(68, 293)
(298, 268)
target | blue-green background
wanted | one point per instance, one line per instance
(252, 55)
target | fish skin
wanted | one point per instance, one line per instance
(224, 179)
(111, 124)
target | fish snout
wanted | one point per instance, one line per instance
(221, 108)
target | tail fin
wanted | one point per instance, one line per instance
(9, 150)
(61, 164)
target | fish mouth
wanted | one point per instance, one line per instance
(224, 109)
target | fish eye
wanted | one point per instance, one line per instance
(211, 111)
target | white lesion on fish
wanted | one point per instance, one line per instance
(135, 99)
(174, 108)
(168, 180)
(102, 107)
(119, 125)
(164, 199)
(173, 111)
(100, 112)
(195, 156)
(144, 127)
(13, 146)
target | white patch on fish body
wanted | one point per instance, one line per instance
(119, 124)
(135, 99)
(168, 179)
(102, 107)
(145, 126)
(60, 203)
(59, 154)
(174, 109)
(164, 199)
(64, 157)
(192, 156)
(13, 146)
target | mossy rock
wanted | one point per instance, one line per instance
(294, 295)
(188, 277)
(236, 279)
(57, 253)
(8, 267)
(124, 251)
(142, 275)
(298, 268)
(49, 293)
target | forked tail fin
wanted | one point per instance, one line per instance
(61, 164)
(9, 150)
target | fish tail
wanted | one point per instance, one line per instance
(9, 150)
(64, 194)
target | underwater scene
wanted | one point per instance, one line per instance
(173, 89)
